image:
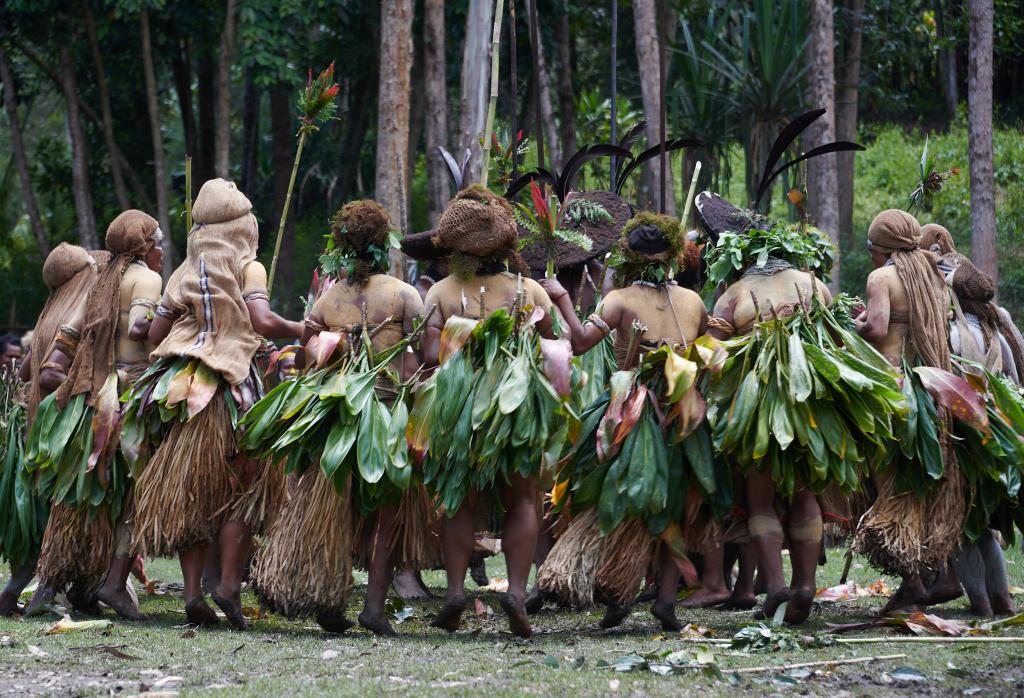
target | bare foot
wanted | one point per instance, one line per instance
(772, 602)
(740, 602)
(666, 613)
(376, 623)
(705, 598)
(946, 588)
(613, 616)
(9, 604)
(198, 612)
(1002, 604)
(121, 601)
(333, 621)
(41, 599)
(409, 588)
(84, 602)
(518, 619)
(450, 615)
(801, 602)
(232, 608)
(910, 597)
(534, 600)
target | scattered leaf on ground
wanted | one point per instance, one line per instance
(66, 625)
(907, 674)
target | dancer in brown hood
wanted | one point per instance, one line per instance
(68, 272)
(207, 330)
(95, 356)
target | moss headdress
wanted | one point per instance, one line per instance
(650, 249)
(361, 237)
(478, 230)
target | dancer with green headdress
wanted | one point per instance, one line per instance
(643, 466)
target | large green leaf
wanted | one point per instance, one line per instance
(372, 444)
(338, 445)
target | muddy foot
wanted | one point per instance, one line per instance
(1002, 604)
(740, 603)
(946, 588)
(376, 624)
(198, 612)
(534, 600)
(478, 571)
(666, 613)
(232, 609)
(800, 604)
(518, 619)
(121, 602)
(40, 600)
(705, 598)
(910, 597)
(84, 602)
(333, 621)
(409, 587)
(613, 616)
(9, 605)
(772, 603)
(450, 615)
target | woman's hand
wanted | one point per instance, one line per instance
(554, 289)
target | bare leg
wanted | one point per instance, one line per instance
(664, 607)
(113, 592)
(766, 536)
(545, 541)
(197, 610)
(805, 530)
(235, 541)
(970, 568)
(911, 596)
(714, 590)
(743, 590)
(211, 567)
(409, 585)
(996, 581)
(457, 540)
(519, 540)
(382, 567)
(15, 585)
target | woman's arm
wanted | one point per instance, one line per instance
(269, 324)
(873, 325)
(582, 337)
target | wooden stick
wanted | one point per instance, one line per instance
(876, 640)
(824, 662)
(284, 211)
(188, 194)
(662, 125)
(499, 13)
(513, 102)
(614, 90)
(689, 196)
(535, 48)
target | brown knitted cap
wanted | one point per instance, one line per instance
(131, 233)
(971, 283)
(477, 223)
(893, 230)
(63, 263)
(936, 238)
(219, 201)
(361, 224)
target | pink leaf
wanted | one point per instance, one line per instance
(328, 344)
(204, 387)
(557, 355)
(963, 400)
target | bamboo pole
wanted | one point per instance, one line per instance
(513, 102)
(284, 210)
(188, 194)
(535, 49)
(662, 126)
(878, 639)
(499, 13)
(689, 195)
(614, 89)
(824, 662)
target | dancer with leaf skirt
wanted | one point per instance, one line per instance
(801, 402)
(495, 415)
(73, 447)
(68, 271)
(348, 414)
(906, 320)
(643, 466)
(180, 424)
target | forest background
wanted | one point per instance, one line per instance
(103, 100)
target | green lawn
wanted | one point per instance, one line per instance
(565, 657)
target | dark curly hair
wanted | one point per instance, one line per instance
(356, 226)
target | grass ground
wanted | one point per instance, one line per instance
(566, 657)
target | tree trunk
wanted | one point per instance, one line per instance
(979, 138)
(947, 61)
(648, 44)
(222, 163)
(206, 74)
(107, 120)
(417, 118)
(543, 80)
(822, 185)
(79, 153)
(475, 73)
(393, 115)
(846, 114)
(250, 132)
(566, 95)
(28, 195)
(159, 178)
(282, 127)
(436, 92)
